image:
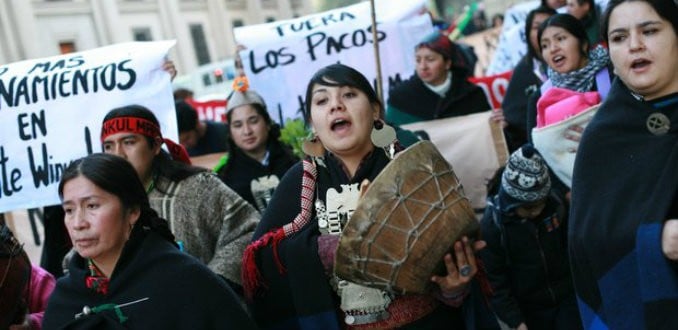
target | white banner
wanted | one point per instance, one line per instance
(513, 42)
(471, 146)
(281, 57)
(51, 111)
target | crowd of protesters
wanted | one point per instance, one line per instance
(580, 230)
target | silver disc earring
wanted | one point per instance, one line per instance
(382, 135)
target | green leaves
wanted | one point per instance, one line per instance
(293, 134)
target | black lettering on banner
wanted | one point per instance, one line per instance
(80, 79)
(36, 82)
(302, 105)
(61, 64)
(95, 82)
(37, 121)
(273, 59)
(44, 66)
(313, 23)
(3, 70)
(22, 91)
(75, 62)
(336, 44)
(45, 172)
(17, 91)
(392, 81)
(64, 78)
(108, 80)
(88, 141)
(132, 75)
(8, 183)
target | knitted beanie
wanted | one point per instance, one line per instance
(525, 179)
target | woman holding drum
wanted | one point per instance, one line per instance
(288, 268)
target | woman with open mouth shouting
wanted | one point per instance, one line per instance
(625, 178)
(579, 79)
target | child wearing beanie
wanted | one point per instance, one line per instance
(526, 258)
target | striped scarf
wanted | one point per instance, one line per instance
(582, 80)
(251, 277)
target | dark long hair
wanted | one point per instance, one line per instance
(570, 24)
(528, 26)
(162, 165)
(273, 133)
(273, 140)
(337, 75)
(15, 278)
(116, 176)
(666, 9)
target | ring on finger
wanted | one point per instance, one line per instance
(465, 270)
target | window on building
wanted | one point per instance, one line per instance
(206, 79)
(268, 4)
(66, 47)
(238, 23)
(142, 34)
(200, 44)
(270, 19)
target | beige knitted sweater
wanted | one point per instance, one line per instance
(213, 222)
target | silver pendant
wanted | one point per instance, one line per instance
(383, 137)
(658, 123)
(340, 207)
(262, 190)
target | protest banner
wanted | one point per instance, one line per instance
(494, 87)
(473, 145)
(210, 109)
(512, 44)
(51, 111)
(280, 57)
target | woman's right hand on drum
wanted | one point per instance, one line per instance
(460, 269)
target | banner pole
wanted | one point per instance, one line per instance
(377, 59)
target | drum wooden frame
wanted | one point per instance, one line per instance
(406, 222)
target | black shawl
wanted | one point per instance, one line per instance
(182, 293)
(523, 83)
(302, 297)
(413, 98)
(624, 186)
(241, 169)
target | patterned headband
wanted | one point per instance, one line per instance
(130, 125)
(144, 127)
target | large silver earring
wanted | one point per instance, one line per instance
(313, 147)
(382, 135)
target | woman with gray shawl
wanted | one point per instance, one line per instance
(578, 80)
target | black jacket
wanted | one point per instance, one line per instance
(523, 83)
(241, 169)
(526, 260)
(412, 101)
(182, 293)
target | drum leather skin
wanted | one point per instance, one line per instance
(406, 222)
